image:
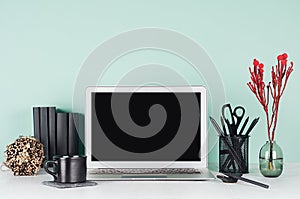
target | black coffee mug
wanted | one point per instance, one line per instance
(67, 169)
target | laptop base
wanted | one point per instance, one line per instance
(204, 175)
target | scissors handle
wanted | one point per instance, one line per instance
(235, 112)
(238, 116)
(230, 111)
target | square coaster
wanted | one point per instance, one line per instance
(69, 185)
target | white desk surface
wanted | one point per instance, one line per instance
(286, 186)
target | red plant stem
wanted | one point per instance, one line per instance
(275, 123)
(268, 124)
(289, 71)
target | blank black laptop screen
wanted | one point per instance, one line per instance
(145, 126)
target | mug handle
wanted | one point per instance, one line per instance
(54, 172)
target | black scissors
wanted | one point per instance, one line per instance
(236, 115)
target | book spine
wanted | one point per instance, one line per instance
(36, 123)
(44, 130)
(52, 132)
(62, 124)
(73, 134)
(80, 130)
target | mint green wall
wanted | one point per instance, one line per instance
(43, 45)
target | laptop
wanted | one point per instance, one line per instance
(146, 133)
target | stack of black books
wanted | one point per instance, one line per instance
(61, 133)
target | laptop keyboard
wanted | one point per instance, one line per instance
(146, 171)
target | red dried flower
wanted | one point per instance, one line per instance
(283, 62)
(255, 62)
(279, 57)
(284, 56)
(261, 65)
(261, 70)
(280, 75)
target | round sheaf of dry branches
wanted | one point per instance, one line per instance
(25, 156)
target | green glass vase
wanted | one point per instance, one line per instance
(271, 160)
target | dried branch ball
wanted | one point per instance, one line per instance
(25, 156)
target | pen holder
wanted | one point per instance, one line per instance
(227, 163)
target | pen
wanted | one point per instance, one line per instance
(247, 180)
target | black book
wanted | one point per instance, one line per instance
(73, 134)
(44, 130)
(80, 130)
(52, 132)
(62, 123)
(36, 123)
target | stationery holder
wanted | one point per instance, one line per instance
(227, 163)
